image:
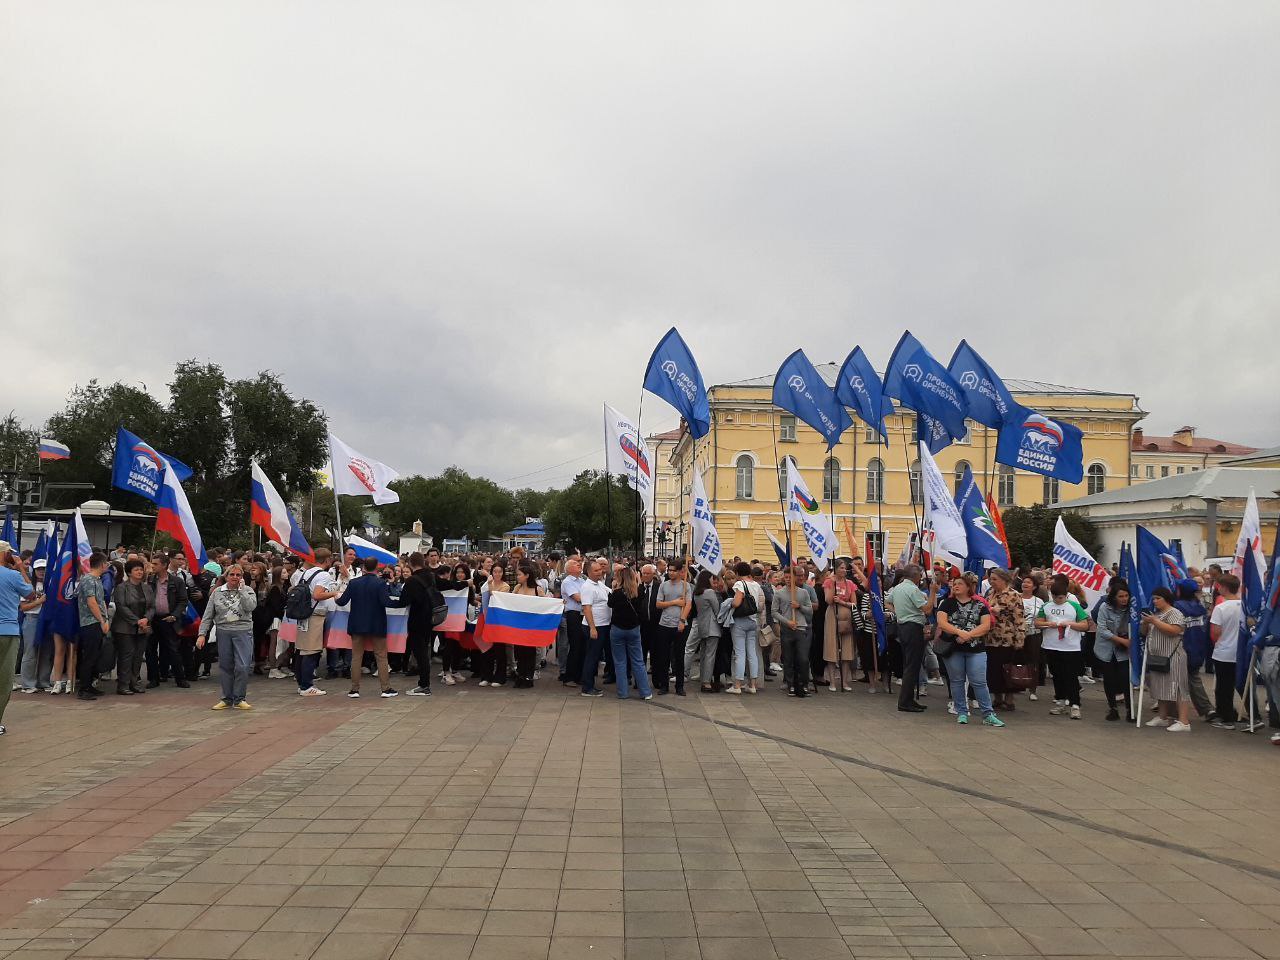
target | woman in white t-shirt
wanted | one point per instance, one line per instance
(746, 630)
(1224, 630)
(1062, 622)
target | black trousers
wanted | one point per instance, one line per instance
(493, 664)
(1066, 666)
(128, 661)
(576, 637)
(795, 657)
(911, 639)
(526, 663)
(1115, 683)
(1224, 691)
(163, 651)
(420, 646)
(667, 657)
(90, 648)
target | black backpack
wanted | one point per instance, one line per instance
(439, 609)
(299, 602)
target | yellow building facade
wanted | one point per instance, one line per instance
(873, 483)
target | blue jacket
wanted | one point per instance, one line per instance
(369, 597)
(1112, 621)
(1195, 638)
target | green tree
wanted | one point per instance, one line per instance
(1030, 533)
(533, 503)
(454, 504)
(578, 516)
(18, 445)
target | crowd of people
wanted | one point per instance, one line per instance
(648, 626)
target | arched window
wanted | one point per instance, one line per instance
(961, 466)
(875, 480)
(915, 481)
(745, 468)
(1006, 486)
(1050, 490)
(1097, 478)
(782, 476)
(831, 480)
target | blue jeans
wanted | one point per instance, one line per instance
(746, 640)
(591, 662)
(235, 659)
(627, 651)
(973, 668)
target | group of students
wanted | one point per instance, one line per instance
(653, 624)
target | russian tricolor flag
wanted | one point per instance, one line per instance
(522, 620)
(176, 519)
(269, 511)
(53, 450)
(456, 621)
(365, 549)
(338, 637)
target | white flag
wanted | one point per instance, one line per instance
(355, 475)
(803, 506)
(1250, 540)
(1070, 557)
(940, 509)
(626, 452)
(706, 541)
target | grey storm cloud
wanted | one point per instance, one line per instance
(461, 227)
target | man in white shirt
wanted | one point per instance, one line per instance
(570, 587)
(594, 595)
(310, 633)
(1224, 630)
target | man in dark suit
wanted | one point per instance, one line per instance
(649, 584)
(369, 597)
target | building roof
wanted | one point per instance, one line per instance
(537, 529)
(1146, 443)
(1269, 453)
(1221, 483)
(675, 434)
(829, 371)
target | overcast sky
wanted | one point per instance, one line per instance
(460, 226)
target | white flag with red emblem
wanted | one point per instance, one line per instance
(355, 475)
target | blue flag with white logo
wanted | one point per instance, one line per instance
(139, 468)
(1138, 601)
(858, 387)
(6, 531)
(1250, 596)
(1266, 625)
(800, 389)
(920, 382)
(979, 526)
(1031, 441)
(61, 613)
(1157, 565)
(990, 401)
(674, 376)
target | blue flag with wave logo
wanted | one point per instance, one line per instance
(1031, 441)
(800, 389)
(60, 613)
(1138, 601)
(673, 375)
(990, 401)
(858, 387)
(979, 525)
(139, 467)
(916, 378)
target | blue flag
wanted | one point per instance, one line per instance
(674, 376)
(920, 382)
(1249, 597)
(876, 588)
(1157, 566)
(800, 389)
(979, 526)
(1138, 601)
(858, 387)
(139, 468)
(6, 531)
(1031, 441)
(1266, 625)
(990, 401)
(42, 544)
(60, 613)
(783, 552)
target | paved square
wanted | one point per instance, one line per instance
(500, 824)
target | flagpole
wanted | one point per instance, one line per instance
(777, 466)
(880, 499)
(653, 474)
(917, 519)
(337, 511)
(986, 472)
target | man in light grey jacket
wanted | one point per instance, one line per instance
(793, 616)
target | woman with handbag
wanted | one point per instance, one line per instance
(1032, 640)
(747, 602)
(838, 635)
(1111, 648)
(1004, 641)
(963, 623)
(1166, 662)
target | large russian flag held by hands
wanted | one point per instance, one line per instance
(269, 511)
(338, 637)
(456, 621)
(176, 519)
(522, 620)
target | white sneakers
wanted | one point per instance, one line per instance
(1156, 722)
(1057, 709)
(312, 692)
(1075, 713)
(275, 673)
(1031, 695)
(448, 679)
(1179, 727)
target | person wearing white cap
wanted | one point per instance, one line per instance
(37, 659)
(15, 588)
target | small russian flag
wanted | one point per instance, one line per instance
(522, 620)
(456, 621)
(53, 450)
(365, 548)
